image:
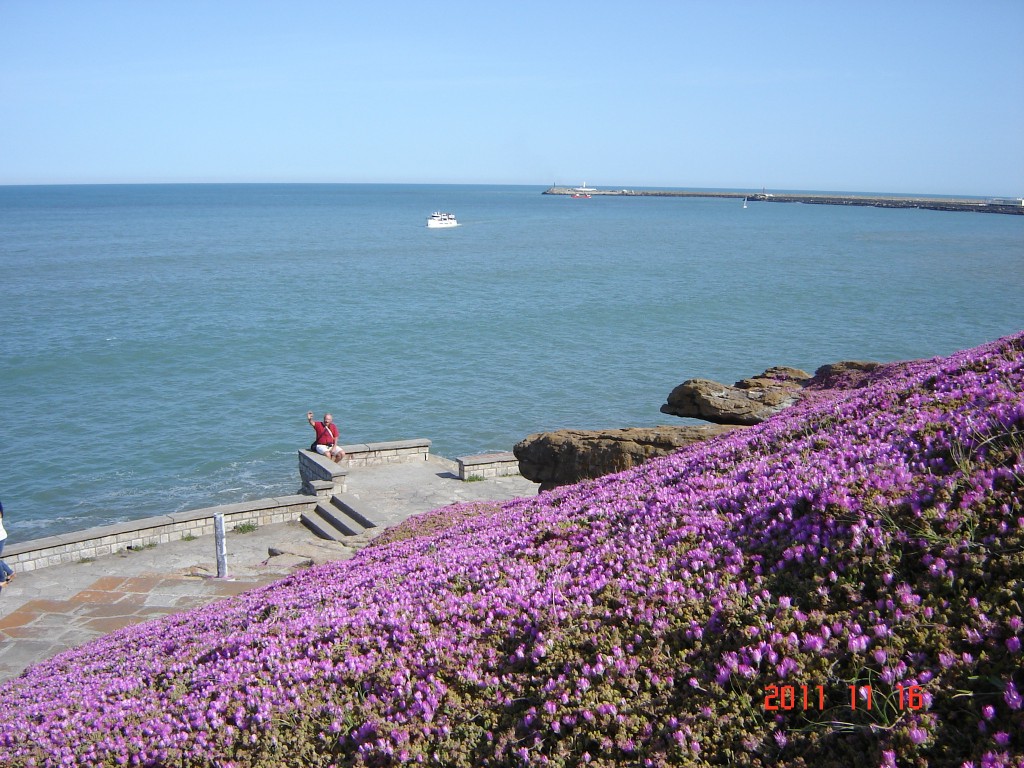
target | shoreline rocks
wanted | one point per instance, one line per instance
(748, 402)
(569, 456)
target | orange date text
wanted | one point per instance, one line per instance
(786, 698)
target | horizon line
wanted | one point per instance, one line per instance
(606, 187)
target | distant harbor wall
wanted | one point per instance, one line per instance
(995, 205)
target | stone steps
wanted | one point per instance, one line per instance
(342, 516)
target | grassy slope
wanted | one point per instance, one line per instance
(873, 537)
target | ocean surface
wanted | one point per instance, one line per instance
(161, 344)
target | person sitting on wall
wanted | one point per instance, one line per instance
(326, 443)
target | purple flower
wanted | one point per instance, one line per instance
(857, 644)
(1011, 696)
(918, 735)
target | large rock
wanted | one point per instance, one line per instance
(571, 455)
(746, 403)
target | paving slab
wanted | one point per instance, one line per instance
(50, 610)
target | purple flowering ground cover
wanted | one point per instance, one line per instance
(871, 537)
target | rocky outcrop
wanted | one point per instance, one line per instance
(571, 455)
(746, 403)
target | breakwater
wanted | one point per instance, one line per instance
(977, 205)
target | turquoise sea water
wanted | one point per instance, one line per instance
(161, 344)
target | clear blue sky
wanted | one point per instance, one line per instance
(894, 96)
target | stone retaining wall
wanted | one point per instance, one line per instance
(499, 464)
(108, 539)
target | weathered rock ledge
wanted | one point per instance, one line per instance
(571, 455)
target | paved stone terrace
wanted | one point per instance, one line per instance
(42, 628)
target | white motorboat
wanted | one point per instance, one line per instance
(437, 220)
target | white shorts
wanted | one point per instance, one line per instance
(323, 450)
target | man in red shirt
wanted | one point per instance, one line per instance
(326, 442)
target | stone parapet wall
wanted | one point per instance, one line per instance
(321, 479)
(320, 476)
(109, 539)
(484, 465)
(392, 452)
